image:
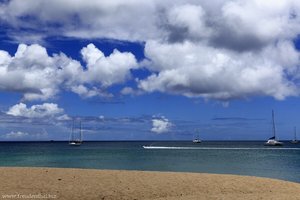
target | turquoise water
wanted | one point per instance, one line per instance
(243, 158)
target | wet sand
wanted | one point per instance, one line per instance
(57, 183)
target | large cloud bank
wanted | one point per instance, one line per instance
(211, 49)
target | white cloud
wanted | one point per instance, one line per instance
(63, 117)
(86, 92)
(16, 135)
(127, 91)
(107, 70)
(31, 71)
(201, 71)
(20, 135)
(130, 91)
(160, 125)
(36, 111)
(266, 21)
(38, 76)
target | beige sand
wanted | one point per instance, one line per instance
(110, 184)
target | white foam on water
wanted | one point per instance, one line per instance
(221, 148)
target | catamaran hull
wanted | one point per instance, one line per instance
(75, 143)
(196, 141)
(274, 144)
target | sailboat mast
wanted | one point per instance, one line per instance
(295, 133)
(273, 121)
(80, 132)
(72, 133)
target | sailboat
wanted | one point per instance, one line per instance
(272, 140)
(295, 141)
(197, 139)
(73, 140)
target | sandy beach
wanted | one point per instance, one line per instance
(56, 183)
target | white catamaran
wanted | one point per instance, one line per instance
(272, 140)
(74, 139)
(295, 141)
(197, 139)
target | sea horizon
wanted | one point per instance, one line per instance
(167, 140)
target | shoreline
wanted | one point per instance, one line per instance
(71, 183)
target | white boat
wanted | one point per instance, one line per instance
(75, 143)
(295, 141)
(272, 141)
(197, 140)
(73, 140)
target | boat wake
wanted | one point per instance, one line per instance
(220, 148)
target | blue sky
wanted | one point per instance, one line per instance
(149, 70)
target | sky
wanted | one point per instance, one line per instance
(149, 70)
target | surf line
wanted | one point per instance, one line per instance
(219, 148)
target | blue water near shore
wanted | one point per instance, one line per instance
(242, 158)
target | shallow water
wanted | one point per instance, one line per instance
(243, 158)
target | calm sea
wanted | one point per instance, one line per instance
(243, 158)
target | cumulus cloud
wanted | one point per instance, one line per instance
(215, 50)
(31, 71)
(36, 111)
(160, 125)
(202, 71)
(21, 135)
(38, 76)
(107, 70)
(16, 135)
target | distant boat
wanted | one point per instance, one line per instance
(197, 139)
(295, 141)
(272, 140)
(73, 140)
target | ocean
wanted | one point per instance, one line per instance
(236, 157)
